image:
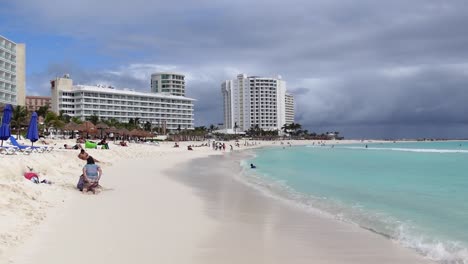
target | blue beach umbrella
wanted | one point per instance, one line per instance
(33, 132)
(5, 128)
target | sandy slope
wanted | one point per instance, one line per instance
(146, 215)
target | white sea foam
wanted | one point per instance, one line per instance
(412, 150)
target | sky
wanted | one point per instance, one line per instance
(366, 68)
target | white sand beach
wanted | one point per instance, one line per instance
(166, 205)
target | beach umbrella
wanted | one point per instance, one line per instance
(33, 132)
(87, 127)
(135, 133)
(123, 132)
(72, 126)
(5, 128)
(101, 126)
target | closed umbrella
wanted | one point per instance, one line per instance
(33, 132)
(5, 128)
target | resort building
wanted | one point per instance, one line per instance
(168, 82)
(251, 101)
(33, 103)
(12, 72)
(82, 101)
(289, 108)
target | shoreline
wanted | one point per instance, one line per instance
(373, 247)
(50, 203)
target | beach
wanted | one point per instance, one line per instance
(169, 205)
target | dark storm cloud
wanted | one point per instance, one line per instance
(373, 68)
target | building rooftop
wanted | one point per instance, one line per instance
(3, 37)
(38, 96)
(128, 92)
(173, 73)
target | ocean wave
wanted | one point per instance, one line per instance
(411, 150)
(444, 252)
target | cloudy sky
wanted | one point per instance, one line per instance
(367, 68)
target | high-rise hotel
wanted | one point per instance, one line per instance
(161, 108)
(12, 72)
(168, 82)
(251, 101)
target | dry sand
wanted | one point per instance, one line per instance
(151, 213)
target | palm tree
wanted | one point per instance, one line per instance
(42, 111)
(52, 120)
(94, 119)
(295, 127)
(112, 122)
(147, 126)
(64, 117)
(285, 128)
(235, 128)
(19, 118)
(76, 120)
(212, 128)
(137, 122)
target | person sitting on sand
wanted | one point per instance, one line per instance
(189, 147)
(176, 145)
(84, 155)
(252, 166)
(123, 144)
(77, 146)
(91, 176)
(104, 143)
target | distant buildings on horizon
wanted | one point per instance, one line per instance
(248, 101)
(12, 72)
(167, 107)
(33, 102)
(256, 101)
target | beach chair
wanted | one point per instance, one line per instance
(25, 149)
(7, 151)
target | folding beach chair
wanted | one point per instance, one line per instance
(25, 149)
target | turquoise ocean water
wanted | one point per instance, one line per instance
(414, 193)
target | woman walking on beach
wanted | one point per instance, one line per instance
(91, 175)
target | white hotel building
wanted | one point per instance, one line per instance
(168, 82)
(82, 101)
(12, 72)
(262, 101)
(289, 108)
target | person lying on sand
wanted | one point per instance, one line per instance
(77, 146)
